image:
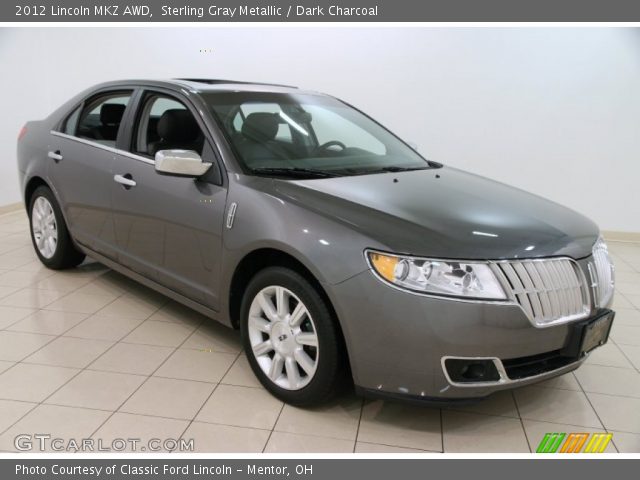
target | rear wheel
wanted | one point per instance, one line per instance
(49, 233)
(291, 338)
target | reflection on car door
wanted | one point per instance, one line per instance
(80, 162)
(168, 228)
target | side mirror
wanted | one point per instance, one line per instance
(183, 163)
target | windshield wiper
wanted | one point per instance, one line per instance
(293, 172)
(395, 169)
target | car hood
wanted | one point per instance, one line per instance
(447, 213)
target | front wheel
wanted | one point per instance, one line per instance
(49, 233)
(291, 339)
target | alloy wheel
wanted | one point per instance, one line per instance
(44, 227)
(283, 337)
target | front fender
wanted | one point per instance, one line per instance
(332, 252)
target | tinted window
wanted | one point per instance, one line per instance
(330, 126)
(101, 117)
(294, 134)
(284, 130)
(165, 123)
(71, 122)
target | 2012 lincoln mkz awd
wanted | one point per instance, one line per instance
(338, 251)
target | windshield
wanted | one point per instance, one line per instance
(279, 134)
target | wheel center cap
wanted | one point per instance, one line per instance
(282, 338)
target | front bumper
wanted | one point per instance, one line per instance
(398, 341)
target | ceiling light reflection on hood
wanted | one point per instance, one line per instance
(485, 234)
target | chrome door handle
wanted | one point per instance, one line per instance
(123, 180)
(55, 155)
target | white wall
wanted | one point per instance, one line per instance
(553, 111)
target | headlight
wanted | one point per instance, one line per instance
(604, 275)
(438, 277)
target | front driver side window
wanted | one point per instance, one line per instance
(101, 117)
(166, 124)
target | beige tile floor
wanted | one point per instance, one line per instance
(88, 353)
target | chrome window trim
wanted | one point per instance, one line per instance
(504, 378)
(115, 151)
(135, 157)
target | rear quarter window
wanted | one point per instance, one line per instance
(71, 123)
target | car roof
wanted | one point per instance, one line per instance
(198, 85)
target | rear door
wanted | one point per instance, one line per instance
(169, 228)
(81, 153)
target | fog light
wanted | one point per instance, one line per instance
(471, 370)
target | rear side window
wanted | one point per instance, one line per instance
(101, 117)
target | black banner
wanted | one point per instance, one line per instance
(317, 469)
(319, 11)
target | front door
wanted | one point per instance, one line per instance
(169, 228)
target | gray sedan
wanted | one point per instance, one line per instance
(341, 254)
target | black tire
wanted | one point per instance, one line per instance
(66, 254)
(329, 377)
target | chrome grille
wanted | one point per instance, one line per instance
(603, 277)
(549, 290)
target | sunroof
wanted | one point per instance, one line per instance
(217, 81)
